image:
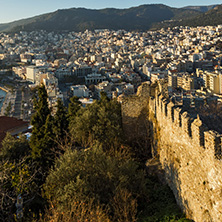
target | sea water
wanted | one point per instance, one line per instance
(2, 94)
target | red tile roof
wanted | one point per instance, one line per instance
(9, 123)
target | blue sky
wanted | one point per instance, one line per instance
(11, 10)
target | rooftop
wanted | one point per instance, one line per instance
(9, 123)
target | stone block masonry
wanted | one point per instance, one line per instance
(189, 154)
(134, 113)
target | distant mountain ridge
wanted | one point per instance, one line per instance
(212, 17)
(201, 8)
(140, 18)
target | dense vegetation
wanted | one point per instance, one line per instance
(212, 17)
(201, 8)
(77, 167)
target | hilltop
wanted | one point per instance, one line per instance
(201, 8)
(79, 19)
(209, 18)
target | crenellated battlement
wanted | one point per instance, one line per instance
(191, 127)
(189, 153)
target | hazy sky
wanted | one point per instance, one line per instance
(11, 10)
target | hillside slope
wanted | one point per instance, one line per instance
(79, 19)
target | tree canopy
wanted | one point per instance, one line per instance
(93, 179)
(98, 123)
(111, 183)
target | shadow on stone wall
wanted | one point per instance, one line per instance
(138, 136)
(136, 125)
(184, 152)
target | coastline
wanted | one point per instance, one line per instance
(8, 97)
(3, 94)
(4, 89)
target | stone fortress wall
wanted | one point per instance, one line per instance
(189, 154)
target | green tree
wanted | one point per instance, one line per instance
(47, 145)
(60, 122)
(42, 146)
(108, 129)
(81, 126)
(74, 107)
(8, 109)
(99, 177)
(14, 148)
(38, 122)
(99, 122)
(17, 176)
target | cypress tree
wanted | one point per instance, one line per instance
(48, 143)
(60, 121)
(42, 112)
(42, 146)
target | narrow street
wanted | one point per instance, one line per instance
(18, 103)
(23, 104)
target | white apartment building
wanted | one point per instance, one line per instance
(31, 72)
(213, 81)
(80, 91)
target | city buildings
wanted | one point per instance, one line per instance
(188, 59)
